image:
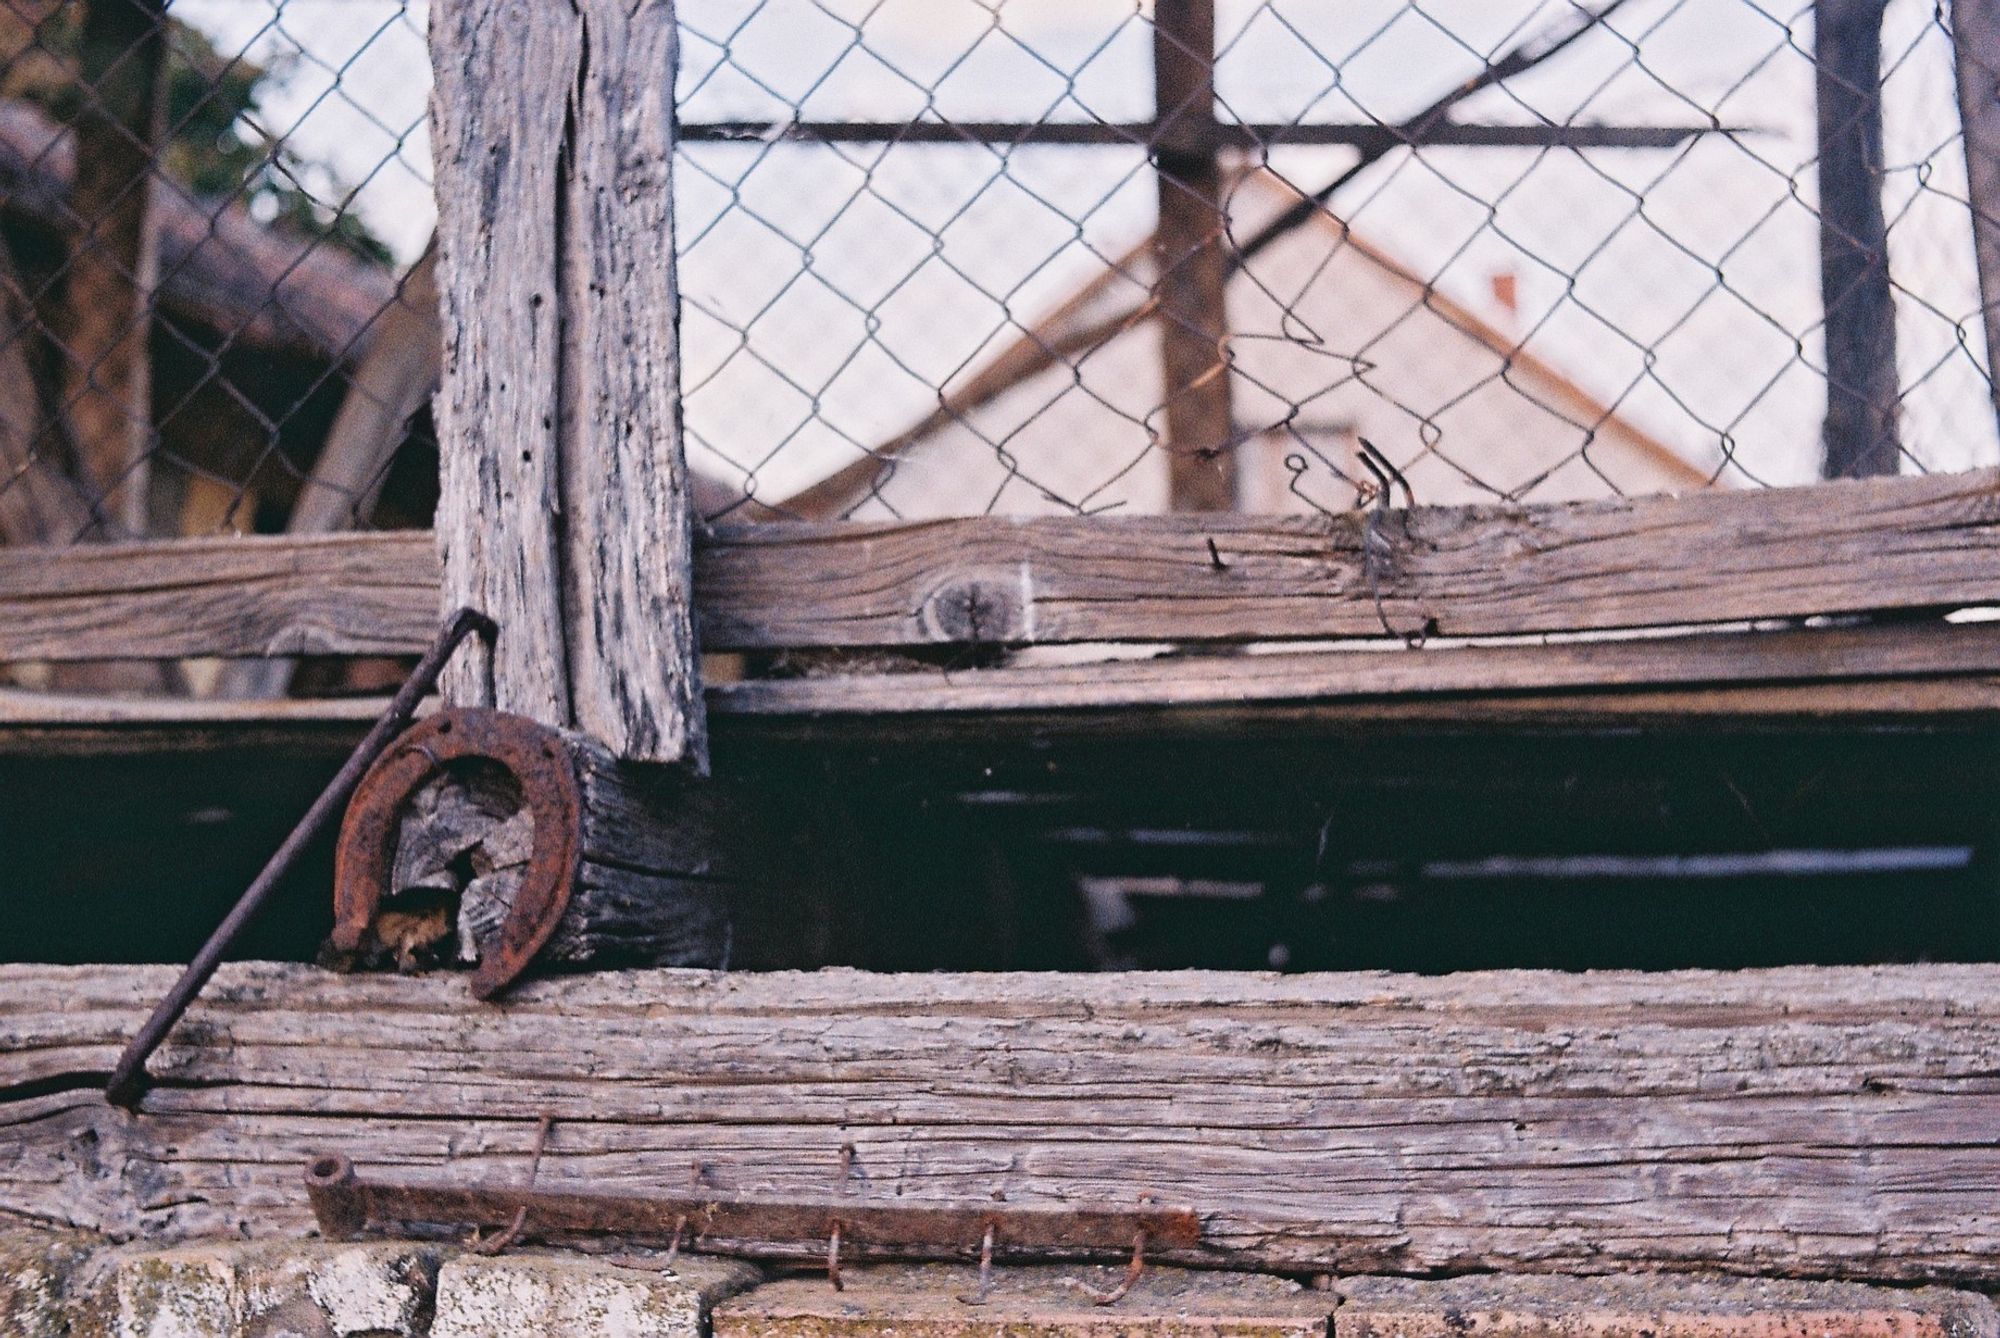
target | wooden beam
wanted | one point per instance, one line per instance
(107, 322)
(347, 594)
(1862, 389)
(565, 510)
(1851, 547)
(1192, 261)
(38, 724)
(1204, 681)
(1800, 1122)
(1975, 28)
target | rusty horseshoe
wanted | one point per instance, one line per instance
(539, 761)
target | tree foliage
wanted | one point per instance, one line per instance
(216, 143)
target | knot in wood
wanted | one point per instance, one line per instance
(976, 610)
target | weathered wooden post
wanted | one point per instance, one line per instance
(1975, 29)
(1193, 260)
(564, 511)
(564, 507)
(1862, 404)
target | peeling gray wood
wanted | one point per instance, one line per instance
(564, 511)
(1800, 1122)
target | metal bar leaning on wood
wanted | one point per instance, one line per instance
(128, 1078)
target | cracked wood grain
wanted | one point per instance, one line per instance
(1831, 1122)
(1838, 548)
(565, 510)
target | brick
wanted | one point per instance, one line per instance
(1039, 1302)
(1661, 1306)
(536, 1295)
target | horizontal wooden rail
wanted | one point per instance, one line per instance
(1883, 544)
(1899, 672)
(1295, 677)
(1814, 1122)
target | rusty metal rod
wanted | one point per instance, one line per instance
(833, 1228)
(128, 1079)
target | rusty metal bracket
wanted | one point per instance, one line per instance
(540, 762)
(760, 1226)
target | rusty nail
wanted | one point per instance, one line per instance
(1131, 1278)
(833, 1258)
(985, 1288)
(674, 1245)
(513, 1230)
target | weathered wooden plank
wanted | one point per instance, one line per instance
(1710, 557)
(52, 724)
(340, 594)
(1824, 1122)
(1822, 655)
(1849, 547)
(564, 511)
(498, 133)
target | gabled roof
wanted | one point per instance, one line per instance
(1073, 336)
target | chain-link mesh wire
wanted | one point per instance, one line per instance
(208, 218)
(945, 257)
(1596, 274)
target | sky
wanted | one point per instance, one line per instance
(829, 290)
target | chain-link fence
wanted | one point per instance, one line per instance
(948, 257)
(208, 218)
(1532, 251)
